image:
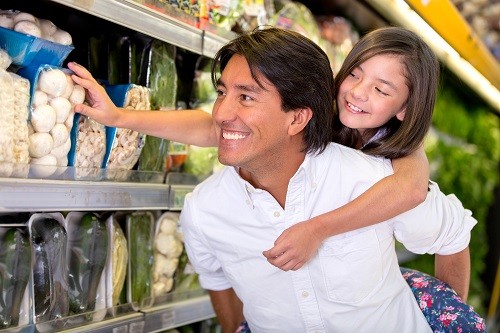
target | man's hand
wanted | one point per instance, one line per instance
(295, 246)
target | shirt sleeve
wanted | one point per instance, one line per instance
(201, 256)
(439, 225)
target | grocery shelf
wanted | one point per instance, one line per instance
(46, 195)
(171, 315)
(143, 19)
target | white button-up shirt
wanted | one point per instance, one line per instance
(353, 283)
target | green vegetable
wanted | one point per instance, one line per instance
(50, 271)
(15, 268)
(89, 250)
(141, 240)
(162, 81)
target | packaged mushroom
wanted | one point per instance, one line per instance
(14, 103)
(32, 41)
(53, 96)
(124, 146)
(88, 146)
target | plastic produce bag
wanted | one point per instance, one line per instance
(53, 96)
(124, 146)
(162, 81)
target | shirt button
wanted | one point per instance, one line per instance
(314, 185)
(248, 202)
(277, 214)
(305, 294)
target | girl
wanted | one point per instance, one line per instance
(385, 93)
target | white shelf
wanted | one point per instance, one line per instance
(169, 27)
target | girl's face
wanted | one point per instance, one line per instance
(373, 93)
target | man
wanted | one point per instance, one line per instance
(273, 121)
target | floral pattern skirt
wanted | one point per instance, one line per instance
(442, 307)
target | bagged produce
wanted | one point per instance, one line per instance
(116, 268)
(168, 247)
(140, 236)
(88, 147)
(88, 245)
(124, 146)
(33, 41)
(53, 96)
(15, 272)
(49, 243)
(7, 123)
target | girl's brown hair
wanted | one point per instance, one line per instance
(422, 71)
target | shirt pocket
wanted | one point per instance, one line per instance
(352, 267)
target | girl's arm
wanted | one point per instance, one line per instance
(186, 126)
(398, 193)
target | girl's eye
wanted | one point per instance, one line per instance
(352, 74)
(220, 92)
(381, 92)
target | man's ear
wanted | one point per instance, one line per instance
(401, 115)
(301, 118)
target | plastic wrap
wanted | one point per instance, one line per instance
(168, 248)
(140, 236)
(162, 81)
(88, 146)
(15, 262)
(53, 96)
(124, 146)
(33, 41)
(50, 273)
(88, 245)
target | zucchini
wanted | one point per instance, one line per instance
(89, 250)
(140, 239)
(50, 273)
(15, 268)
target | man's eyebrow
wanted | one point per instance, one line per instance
(244, 87)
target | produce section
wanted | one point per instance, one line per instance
(80, 188)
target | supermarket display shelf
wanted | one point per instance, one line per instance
(158, 318)
(44, 195)
(170, 27)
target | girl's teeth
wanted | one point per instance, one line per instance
(355, 108)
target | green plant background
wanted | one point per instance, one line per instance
(464, 153)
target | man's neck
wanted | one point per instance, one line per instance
(274, 178)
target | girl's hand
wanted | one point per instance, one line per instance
(295, 246)
(100, 107)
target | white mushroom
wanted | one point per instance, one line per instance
(69, 121)
(62, 108)
(69, 87)
(43, 118)
(29, 28)
(23, 16)
(62, 37)
(40, 144)
(6, 21)
(62, 150)
(60, 134)
(39, 98)
(78, 95)
(52, 81)
(47, 27)
(48, 159)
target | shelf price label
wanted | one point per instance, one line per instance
(168, 318)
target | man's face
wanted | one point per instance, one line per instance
(250, 124)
